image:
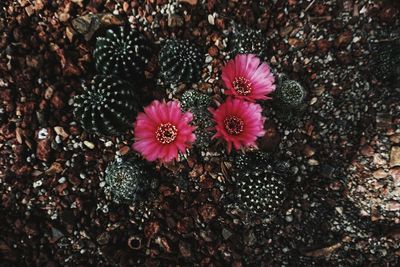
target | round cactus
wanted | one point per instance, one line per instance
(249, 41)
(197, 103)
(130, 181)
(385, 60)
(180, 61)
(260, 190)
(290, 94)
(122, 52)
(194, 99)
(106, 107)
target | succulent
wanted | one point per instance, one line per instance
(180, 61)
(289, 100)
(249, 41)
(130, 181)
(385, 62)
(107, 106)
(122, 52)
(260, 190)
(197, 103)
(290, 94)
(194, 99)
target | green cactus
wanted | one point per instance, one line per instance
(249, 41)
(130, 181)
(180, 61)
(107, 106)
(123, 53)
(260, 190)
(197, 103)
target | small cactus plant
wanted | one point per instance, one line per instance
(180, 61)
(130, 181)
(290, 94)
(260, 190)
(385, 60)
(289, 100)
(197, 103)
(123, 53)
(249, 41)
(194, 99)
(107, 106)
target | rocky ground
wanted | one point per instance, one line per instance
(343, 153)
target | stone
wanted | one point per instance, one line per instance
(395, 156)
(367, 151)
(208, 212)
(380, 173)
(88, 144)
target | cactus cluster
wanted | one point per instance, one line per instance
(249, 41)
(260, 190)
(130, 181)
(180, 61)
(122, 52)
(197, 103)
(107, 106)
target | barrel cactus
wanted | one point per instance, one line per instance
(290, 94)
(122, 52)
(289, 100)
(249, 41)
(107, 106)
(130, 181)
(180, 61)
(260, 190)
(197, 103)
(385, 60)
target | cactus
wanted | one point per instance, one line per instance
(385, 61)
(289, 100)
(180, 61)
(249, 41)
(123, 53)
(130, 181)
(194, 99)
(290, 94)
(197, 103)
(106, 107)
(260, 190)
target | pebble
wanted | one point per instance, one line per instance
(88, 144)
(108, 144)
(395, 156)
(313, 162)
(211, 19)
(42, 134)
(37, 183)
(208, 59)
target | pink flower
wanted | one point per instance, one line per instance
(162, 130)
(247, 78)
(238, 122)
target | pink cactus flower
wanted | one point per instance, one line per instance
(238, 122)
(162, 130)
(246, 77)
